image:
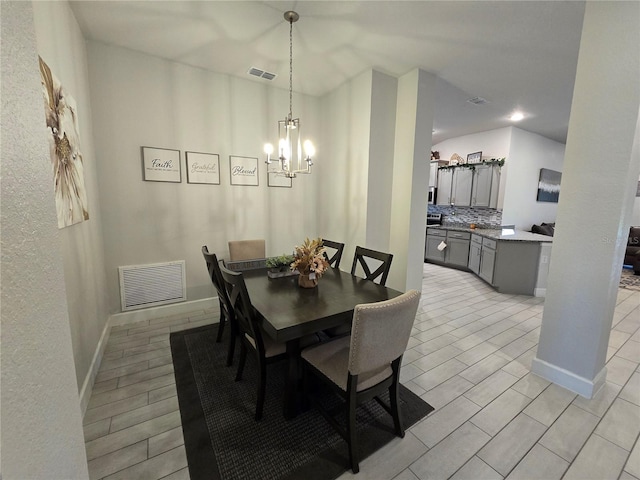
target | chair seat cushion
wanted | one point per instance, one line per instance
(273, 349)
(332, 357)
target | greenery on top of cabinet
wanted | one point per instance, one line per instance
(472, 166)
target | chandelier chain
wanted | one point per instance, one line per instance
(290, 68)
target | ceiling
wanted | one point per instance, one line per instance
(516, 55)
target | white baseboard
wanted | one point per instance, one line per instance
(132, 317)
(539, 292)
(87, 385)
(580, 385)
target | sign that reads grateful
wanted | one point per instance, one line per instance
(243, 170)
(161, 165)
(203, 168)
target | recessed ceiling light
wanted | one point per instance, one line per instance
(516, 116)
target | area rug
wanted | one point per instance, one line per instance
(629, 280)
(223, 441)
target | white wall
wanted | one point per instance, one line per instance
(343, 176)
(62, 47)
(384, 92)
(529, 153)
(41, 419)
(139, 100)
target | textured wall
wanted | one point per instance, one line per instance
(62, 47)
(41, 423)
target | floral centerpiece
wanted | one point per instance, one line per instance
(310, 262)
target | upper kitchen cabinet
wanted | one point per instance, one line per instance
(433, 171)
(461, 187)
(445, 177)
(486, 180)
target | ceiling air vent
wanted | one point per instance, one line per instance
(478, 101)
(256, 72)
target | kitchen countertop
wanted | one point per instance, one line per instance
(496, 234)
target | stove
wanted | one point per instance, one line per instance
(434, 219)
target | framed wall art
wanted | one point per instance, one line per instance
(549, 185)
(243, 170)
(203, 168)
(161, 165)
(61, 113)
(474, 157)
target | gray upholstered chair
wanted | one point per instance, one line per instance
(334, 260)
(226, 311)
(366, 363)
(246, 250)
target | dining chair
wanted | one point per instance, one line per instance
(364, 256)
(366, 259)
(251, 335)
(334, 260)
(246, 249)
(226, 311)
(365, 364)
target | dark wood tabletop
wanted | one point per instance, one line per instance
(289, 311)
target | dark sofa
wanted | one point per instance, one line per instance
(632, 254)
(544, 229)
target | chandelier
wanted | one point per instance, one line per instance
(290, 159)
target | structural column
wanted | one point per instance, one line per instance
(601, 167)
(414, 122)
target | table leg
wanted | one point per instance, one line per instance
(291, 387)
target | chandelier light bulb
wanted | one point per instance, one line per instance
(516, 116)
(309, 149)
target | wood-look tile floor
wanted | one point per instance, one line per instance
(469, 357)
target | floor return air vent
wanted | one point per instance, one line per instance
(143, 286)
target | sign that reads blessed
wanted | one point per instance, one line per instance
(243, 170)
(203, 168)
(161, 165)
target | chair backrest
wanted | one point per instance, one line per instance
(334, 260)
(246, 249)
(213, 267)
(382, 271)
(380, 332)
(241, 303)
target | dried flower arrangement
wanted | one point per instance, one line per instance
(309, 258)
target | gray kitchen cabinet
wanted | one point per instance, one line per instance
(510, 266)
(445, 177)
(434, 238)
(457, 251)
(487, 260)
(486, 181)
(433, 171)
(462, 183)
(475, 247)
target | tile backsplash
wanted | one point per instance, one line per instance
(463, 216)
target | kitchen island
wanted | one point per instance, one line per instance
(510, 261)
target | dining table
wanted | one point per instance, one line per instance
(289, 312)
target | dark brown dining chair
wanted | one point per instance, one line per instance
(226, 311)
(365, 258)
(251, 334)
(365, 364)
(334, 260)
